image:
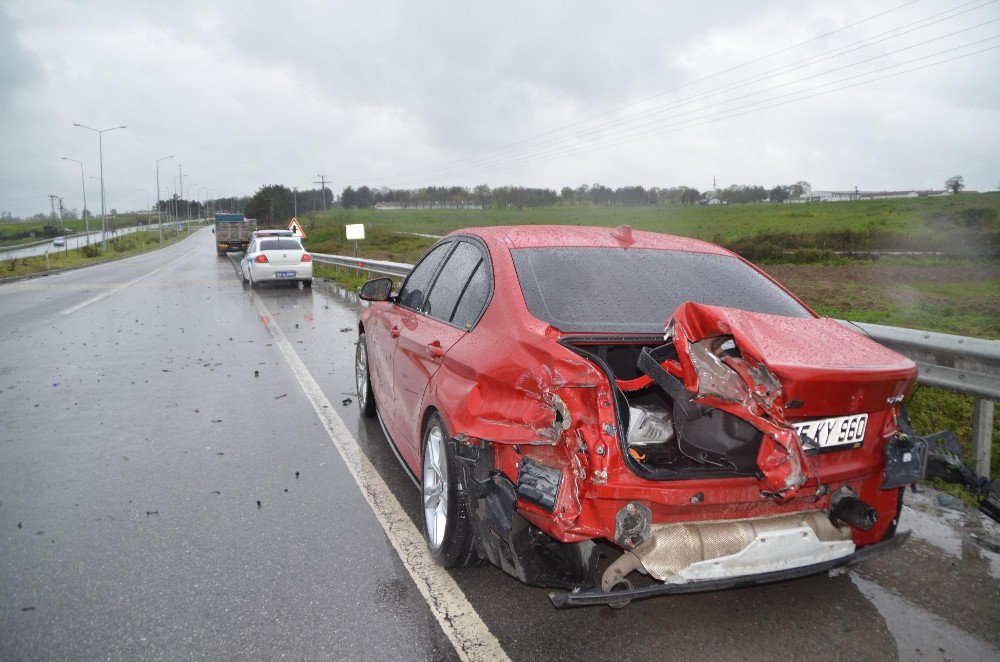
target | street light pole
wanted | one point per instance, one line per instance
(100, 147)
(190, 188)
(148, 213)
(83, 185)
(295, 200)
(159, 216)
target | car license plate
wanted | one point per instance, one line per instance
(835, 432)
(284, 274)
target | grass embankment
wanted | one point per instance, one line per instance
(12, 233)
(796, 244)
(121, 246)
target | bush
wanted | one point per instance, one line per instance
(124, 243)
(90, 250)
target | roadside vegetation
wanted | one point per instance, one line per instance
(20, 232)
(121, 246)
(832, 255)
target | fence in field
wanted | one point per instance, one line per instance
(970, 366)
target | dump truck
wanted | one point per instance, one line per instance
(232, 233)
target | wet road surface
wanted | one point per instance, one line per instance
(135, 443)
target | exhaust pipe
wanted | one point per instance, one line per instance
(846, 507)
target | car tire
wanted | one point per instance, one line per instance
(307, 283)
(362, 380)
(444, 503)
(253, 283)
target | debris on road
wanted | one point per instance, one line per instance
(258, 503)
(346, 329)
(279, 397)
(945, 462)
(347, 401)
(949, 501)
(152, 512)
(256, 373)
(216, 420)
(296, 474)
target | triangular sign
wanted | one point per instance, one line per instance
(297, 229)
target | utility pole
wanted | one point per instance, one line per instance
(83, 185)
(159, 215)
(52, 201)
(295, 201)
(322, 191)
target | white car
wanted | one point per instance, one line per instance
(59, 242)
(271, 259)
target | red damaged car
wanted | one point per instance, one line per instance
(619, 414)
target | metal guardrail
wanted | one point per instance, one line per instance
(380, 267)
(970, 366)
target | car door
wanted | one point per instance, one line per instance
(426, 337)
(384, 331)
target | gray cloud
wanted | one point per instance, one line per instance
(245, 93)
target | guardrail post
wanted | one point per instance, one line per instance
(982, 434)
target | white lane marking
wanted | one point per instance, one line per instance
(95, 299)
(468, 633)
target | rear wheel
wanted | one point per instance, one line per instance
(363, 381)
(307, 283)
(253, 283)
(446, 524)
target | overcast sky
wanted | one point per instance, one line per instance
(416, 93)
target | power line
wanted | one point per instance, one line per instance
(688, 84)
(524, 152)
(744, 96)
(729, 114)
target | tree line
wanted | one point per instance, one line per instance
(482, 196)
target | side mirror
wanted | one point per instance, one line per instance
(377, 289)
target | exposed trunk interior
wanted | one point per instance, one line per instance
(647, 435)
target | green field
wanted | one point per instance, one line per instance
(961, 224)
(796, 244)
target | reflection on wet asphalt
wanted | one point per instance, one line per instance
(136, 441)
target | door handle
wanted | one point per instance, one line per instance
(394, 332)
(435, 350)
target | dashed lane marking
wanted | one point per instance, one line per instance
(102, 295)
(461, 623)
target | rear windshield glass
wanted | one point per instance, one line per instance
(280, 245)
(637, 290)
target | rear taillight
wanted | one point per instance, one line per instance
(260, 258)
(306, 257)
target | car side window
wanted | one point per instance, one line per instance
(450, 283)
(474, 298)
(418, 282)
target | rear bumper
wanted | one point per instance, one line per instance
(266, 272)
(593, 597)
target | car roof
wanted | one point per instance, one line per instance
(273, 233)
(582, 236)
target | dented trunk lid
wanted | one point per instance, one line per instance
(825, 369)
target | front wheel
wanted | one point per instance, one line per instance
(362, 379)
(446, 525)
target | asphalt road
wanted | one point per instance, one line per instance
(136, 442)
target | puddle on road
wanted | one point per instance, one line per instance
(949, 530)
(919, 633)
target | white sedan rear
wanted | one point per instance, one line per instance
(270, 259)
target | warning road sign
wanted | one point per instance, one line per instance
(297, 229)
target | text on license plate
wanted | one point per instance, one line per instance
(284, 274)
(839, 431)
